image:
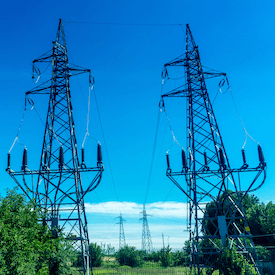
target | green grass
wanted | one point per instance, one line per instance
(140, 271)
(154, 269)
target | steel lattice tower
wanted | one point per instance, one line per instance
(146, 244)
(122, 241)
(59, 189)
(207, 172)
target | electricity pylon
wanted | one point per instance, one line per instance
(207, 171)
(59, 189)
(122, 241)
(146, 244)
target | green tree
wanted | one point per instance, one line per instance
(166, 257)
(26, 246)
(96, 254)
(260, 217)
(179, 258)
(224, 206)
(129, 255)
(261, 220)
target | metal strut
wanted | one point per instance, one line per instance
(207, 171)
(59, 190)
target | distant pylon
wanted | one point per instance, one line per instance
(146, 243)
(122, 242)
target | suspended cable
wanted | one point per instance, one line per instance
(172, 132)
(91, 87)
(108, 158)
(109, 230)
(154, 149)
(121, 24)
(165, 199)
(88, 114)
(21, 122)
(246, 133)
(153, 157)
(96, 208)
(221, 83)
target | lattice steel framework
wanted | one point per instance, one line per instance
(122, 241)
(146, 243)
(207, 171)
(59, 189)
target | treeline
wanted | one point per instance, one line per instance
(130, 256)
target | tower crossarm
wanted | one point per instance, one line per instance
(46, 57)
(44, 88)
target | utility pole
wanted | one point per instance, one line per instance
(146, 244)
(206, 170)
(122, 242)
(59, 190)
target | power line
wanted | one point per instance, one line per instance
(123, 24)
(103, 135)
(153, 157)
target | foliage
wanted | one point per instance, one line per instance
(96, 255)
(260, 216)
(224, 206)
(178, 258)
(26, 246)
(108, 250)
(229, 262)
(153, 256)
(261, 220)
(166, 257)
(129, 255)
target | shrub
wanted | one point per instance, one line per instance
(129, 255)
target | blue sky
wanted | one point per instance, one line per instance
(126, 58)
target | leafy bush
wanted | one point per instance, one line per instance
(129, 256)
(229, 262)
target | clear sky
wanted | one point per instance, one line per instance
(125, 44)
